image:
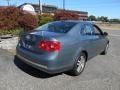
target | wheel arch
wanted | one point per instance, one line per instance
(86, 53)
(78, 53)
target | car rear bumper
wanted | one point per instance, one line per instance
(29, 62)
(37, 66)
(43, 63)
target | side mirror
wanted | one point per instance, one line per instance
(105, 34)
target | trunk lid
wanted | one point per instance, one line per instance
(29, 41)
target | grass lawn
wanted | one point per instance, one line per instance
(109, 26)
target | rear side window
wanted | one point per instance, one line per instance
(87, 30)
(61, 27)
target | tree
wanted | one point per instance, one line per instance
(92, 18)
(115, 20)
(103, 19)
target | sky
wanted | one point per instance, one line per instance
(109, 8)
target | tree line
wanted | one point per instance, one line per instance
(103, 19)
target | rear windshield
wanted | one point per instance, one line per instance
(61, 27)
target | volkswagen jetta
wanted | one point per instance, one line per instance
(61, 46)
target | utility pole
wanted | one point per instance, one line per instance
(8, 1)
(63, 4)
(40, 12)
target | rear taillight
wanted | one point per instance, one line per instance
(49, 45)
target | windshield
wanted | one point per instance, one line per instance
(61, 27)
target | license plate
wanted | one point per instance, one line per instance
(26, 45)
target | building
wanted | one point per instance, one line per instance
(83, 15)
(3, 6)
(50, 9)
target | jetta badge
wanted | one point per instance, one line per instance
(28, 37)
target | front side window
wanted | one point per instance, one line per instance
(97, 30)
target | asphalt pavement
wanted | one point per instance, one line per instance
(101, 72)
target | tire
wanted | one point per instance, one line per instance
(79, 65)
(106, 50)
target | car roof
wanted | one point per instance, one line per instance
(76, 21)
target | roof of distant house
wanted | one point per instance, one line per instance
(79, 12)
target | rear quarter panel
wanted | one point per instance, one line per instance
(70, 46)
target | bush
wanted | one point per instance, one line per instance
(11, 17)
(28, 21)
(14, 32)
(45, 18)
(63, 15)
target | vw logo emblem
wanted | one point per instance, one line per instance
(28, 37)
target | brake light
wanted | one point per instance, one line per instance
(49, 45)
